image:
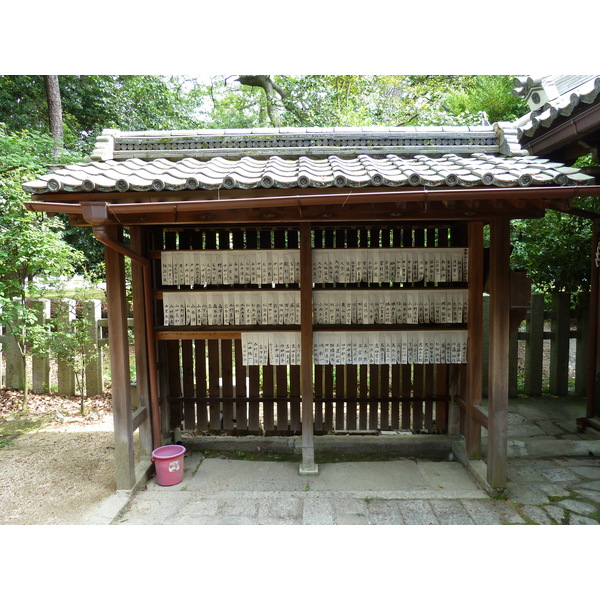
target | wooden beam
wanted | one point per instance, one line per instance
(474, 368)
(499, 350)
(370, 211)
(308, 466)
(119, 365)
(198, 335)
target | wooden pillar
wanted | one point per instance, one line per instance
(66, 375)
(559, 344)
(141, 342)
(593, 386)
(499, 345)
(92, 312)
(474, 340)
(119, 365)
(534, 347)
(40, 365)
(307, 466)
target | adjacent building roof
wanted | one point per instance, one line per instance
(552, 97)
(564, 121)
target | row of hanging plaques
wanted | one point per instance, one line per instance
(276, 267)
(331, 307)
(357, 348)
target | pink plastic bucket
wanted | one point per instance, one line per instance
(168, 461)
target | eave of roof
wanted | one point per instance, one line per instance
(394, 171)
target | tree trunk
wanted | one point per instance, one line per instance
(55, 119)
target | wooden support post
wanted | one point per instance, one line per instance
(66, 374)
(119, 366)
(486, 345)
(474, 340)
(582, 344)
(15, 367)
(92, 311)
(593, 384)
(559, 344)
(307, 466)
(40, 365)
(534, 347)
(140, 339)
(499, 342)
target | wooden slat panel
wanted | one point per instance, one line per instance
(227, 383)
(406, 391)
(189, 407)
(174, 377)
(318, 404)
(295, 416)
(254, 408)
(268, 395)
(328, 389)
(385, 390)
(395, 390)
(351, 392)
(340, 381)
(363, 406)
(241, 407)
(441, 408)
(374, 393)
(429, 387)
(417, 405)
(213, 385)
(201, 385)
(281, 374)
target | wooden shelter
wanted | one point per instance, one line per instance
(310, 280)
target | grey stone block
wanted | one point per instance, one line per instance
(451, 512)
(491, 513)
(581, 520)
(556, 513)
(280, 511)
(417, 512)
(385, 512)
(582, 508)
(537, 515)
(317, 511)
(526, 494)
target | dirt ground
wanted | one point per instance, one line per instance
(56, 467)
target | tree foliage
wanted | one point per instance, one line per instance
(32, 250)
(360, 100)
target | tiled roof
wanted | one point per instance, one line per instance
(557, 96)
(293, 142)
(478, 169)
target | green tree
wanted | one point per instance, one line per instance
(32, 250)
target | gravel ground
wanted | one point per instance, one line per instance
(59, 473)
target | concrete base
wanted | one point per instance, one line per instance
(594, 423)
(114, 505)
(477, 470)
(308, 469)
(347, 446)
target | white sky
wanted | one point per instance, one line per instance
(315, 37)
